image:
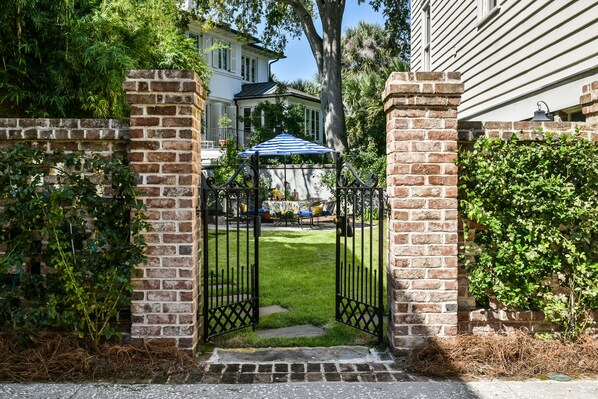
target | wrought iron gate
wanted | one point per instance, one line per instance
(359, 276)
(231, 229)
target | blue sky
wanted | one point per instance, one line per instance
(300, 62)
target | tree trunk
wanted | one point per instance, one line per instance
(330, 74)
(327, 52)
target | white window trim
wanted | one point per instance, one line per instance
(252, 69)
(426, 37)
(486, 13)
(217, 61)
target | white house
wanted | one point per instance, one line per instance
(241, 79)
(511, 53)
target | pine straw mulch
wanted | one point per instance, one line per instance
(49, 356)
(515, 356)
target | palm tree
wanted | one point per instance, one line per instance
(365, 47)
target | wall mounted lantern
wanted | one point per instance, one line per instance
(541, 116)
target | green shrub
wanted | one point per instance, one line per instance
(72, 213)
(538, 205)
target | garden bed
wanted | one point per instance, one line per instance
(516, 356)
(53, 356)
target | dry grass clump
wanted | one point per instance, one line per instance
(518, 355)
(48, 356)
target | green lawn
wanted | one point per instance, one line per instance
(297, 271)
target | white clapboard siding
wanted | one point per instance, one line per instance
(525, 51)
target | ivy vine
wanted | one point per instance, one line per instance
(69, 230)
(538, 204)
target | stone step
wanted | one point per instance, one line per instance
(334, 354)
(305, 330)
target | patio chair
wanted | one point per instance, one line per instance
(247, 214)
(317, 209)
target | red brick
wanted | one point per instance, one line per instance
(144, 145)
(161, 273)
(425, 169)
(160, 203)
(177, 122)
(178, 261)
(162, 296)
(161, 250)
(177, 238)
(165, 86)
(161, 157)
(177, 145)
(161, 319)
(177, 168)
(443, 180)
(177, 308)
(145, 121)
(442, 273)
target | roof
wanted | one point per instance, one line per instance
(270, 89)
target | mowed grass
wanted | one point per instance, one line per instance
(297, 272)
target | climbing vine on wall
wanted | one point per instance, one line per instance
(538, 205)
(69, 231)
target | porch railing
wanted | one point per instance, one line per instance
(215, 137)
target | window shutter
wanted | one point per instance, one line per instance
(233, 59)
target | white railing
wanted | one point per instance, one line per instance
(216, 137)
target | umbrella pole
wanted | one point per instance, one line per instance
(284, 183)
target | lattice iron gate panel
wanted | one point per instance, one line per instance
(359, 250)
(231, 229)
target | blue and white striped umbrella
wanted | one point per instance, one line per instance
(286, 144)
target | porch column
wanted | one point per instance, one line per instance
(166, 109)
(421, 140)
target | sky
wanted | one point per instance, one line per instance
(300, 62)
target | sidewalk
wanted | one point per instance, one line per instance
(314, 390)
(344, 372)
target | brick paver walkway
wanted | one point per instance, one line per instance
(380, 368)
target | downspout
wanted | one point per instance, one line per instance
(270, 68)
(237, 123)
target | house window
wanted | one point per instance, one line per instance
(312, 123)
(221, 56)
(248, 69)
(196, 41)
(247, 122)
(485, 7)
(427, 37)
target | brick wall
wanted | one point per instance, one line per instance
(422, 193)
(589, 102)
(99, 135)
(103, 136)
(162, 140)
(428, 292)
(165, 147)
(497, 320)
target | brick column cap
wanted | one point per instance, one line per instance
(417, 89)
(141, 86)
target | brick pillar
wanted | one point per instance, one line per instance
(589, 102)
(421, 141)
(166, 109)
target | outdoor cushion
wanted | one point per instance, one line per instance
(317, 209)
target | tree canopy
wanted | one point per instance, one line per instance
(68, 58)
(281, 19)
